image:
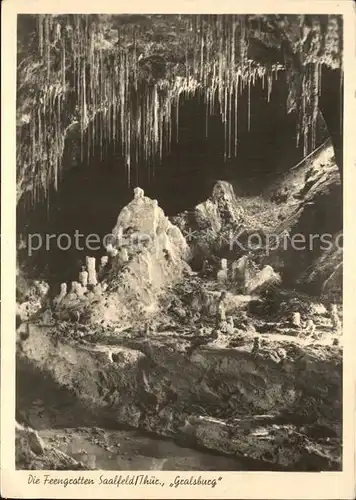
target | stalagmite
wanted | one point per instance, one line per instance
(222, 273)
(309, 327)
(109, 248)
(92, 278)
(230, 327)
(62, 293)
(104, 261)
(80, 290)
(296, 320)
(239, 270)
(221, 313)
(123, 255)
(74, 286)
(335, 320)
(83, 277)
(138, 193)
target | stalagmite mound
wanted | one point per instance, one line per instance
(145, 254)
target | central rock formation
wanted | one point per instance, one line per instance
(146, 253)
(151, 250)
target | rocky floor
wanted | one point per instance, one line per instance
(276, 404)
(105, 449)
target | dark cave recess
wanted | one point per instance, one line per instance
(92, 192)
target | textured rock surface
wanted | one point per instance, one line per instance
(311, 202)
(278, 404)
(30, 299)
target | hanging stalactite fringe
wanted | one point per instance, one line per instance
(115, 101)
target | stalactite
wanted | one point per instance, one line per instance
(40, 33)
(177, 116)
(249, 103)
(225, 123)
(115, 104)
(236, 115)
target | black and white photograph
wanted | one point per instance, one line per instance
(179, 244)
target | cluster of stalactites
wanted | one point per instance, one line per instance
(114, 104)
(320, 44)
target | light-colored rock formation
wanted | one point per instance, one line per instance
(296, 320)
(114, 252)
(231, 325)
(109, 248)
(92, 277)
(42, 288)
(222, 274)
(220, 208)
(138, 193)
(262, 280)
(221, 309)
(309, 327)
(239, 270)
(335, 320)
(74, 287)
(123, 255)
(34, 441)
(154, 253)
(63, 291)
(80, 290)
(36, 297)
(83, 277)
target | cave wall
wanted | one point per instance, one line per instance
(331, 104)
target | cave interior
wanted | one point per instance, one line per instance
(95, 187)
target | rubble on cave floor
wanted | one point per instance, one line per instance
(33, 453)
